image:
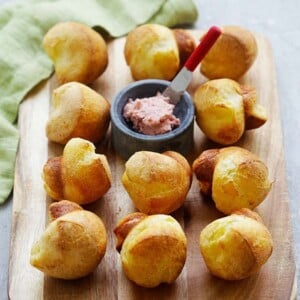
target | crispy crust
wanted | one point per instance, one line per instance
(186, 44)
(203, 167)
(58, 209)
(255, 114)
(125, 225)
(248, 213)
(52, 176)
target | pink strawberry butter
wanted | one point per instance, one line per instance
(151, 115)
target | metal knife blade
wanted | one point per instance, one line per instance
(178, 85)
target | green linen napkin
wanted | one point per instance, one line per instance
(23, 63)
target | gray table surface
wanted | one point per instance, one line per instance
(279, 21)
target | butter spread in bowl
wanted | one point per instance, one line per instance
(151, 115)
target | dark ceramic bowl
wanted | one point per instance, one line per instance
(126, 141)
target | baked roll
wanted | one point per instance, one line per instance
(79, 175)
(72, 245)
(78, 52)
(152, 248)
(234, 177)
(157, 183)
(225, 109)
(236, 246)
(151, 51)
(232, 55)
(77, 111)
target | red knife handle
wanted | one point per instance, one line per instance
(206, 43)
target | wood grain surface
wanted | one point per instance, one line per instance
(30, 203)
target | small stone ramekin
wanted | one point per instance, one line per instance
(126, 141)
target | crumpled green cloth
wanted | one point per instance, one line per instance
(23, 63)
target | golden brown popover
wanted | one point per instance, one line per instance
(72, 245)
(232, 55)
(153, 248)
(151, 51)
(225, 109)
(79, 175)
(77, 111)
(234, 177)
(78, 52)
(236, 246)
(155, 182)
(186, 44)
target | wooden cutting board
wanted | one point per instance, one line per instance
(30, 203)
